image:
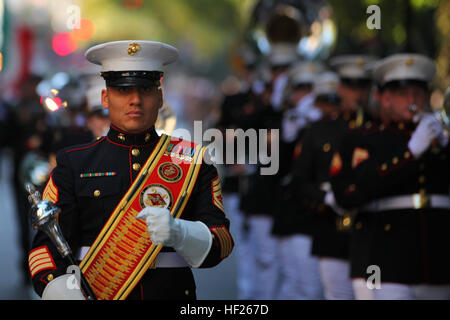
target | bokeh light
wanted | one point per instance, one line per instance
(64, 43)
(86, 30)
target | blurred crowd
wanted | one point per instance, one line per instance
(338, 220)
(34, 126)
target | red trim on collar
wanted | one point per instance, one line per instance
(87, 147)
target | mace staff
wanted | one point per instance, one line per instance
(44, 216)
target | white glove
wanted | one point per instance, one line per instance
(330, 201)
(192, 240)
(63, 287)
(428, 129)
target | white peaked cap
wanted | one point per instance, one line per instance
(405, 66)
(132, 55)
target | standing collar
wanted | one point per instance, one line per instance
(118, 136)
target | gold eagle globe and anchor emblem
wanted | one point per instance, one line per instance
(170, 172)
(133, 48)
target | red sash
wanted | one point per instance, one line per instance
(123, 252)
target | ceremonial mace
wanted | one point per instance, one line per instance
(44, 216)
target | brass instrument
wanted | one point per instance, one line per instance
(285, 25)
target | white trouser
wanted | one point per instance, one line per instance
(398, 291)
(242, 248)
(361, 289)
(335, 275)
(264, 247)
(300, 279)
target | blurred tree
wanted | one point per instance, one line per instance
(443, 57)
(402, 27)
(205, 27)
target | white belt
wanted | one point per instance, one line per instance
(163, 260)
(411, 201)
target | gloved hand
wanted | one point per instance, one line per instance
(330, 201)
(191, 239)
(428, 129)
(63, 288)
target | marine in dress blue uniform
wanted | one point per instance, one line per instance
(90, 180)
(396, 174)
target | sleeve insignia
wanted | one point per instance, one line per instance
(40, 259)
(217, 194)
(336, 164)
(50, 192)
(225, 240)
(359, 155)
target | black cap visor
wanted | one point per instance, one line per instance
(132, 78)
(356, 82)
(398, 84)
(329, 98)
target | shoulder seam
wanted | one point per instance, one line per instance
(86, 147)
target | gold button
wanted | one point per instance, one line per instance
(358, 225)
(186, 292)
(121, 136)
(407, 155)
(395, 160)
(135, 152)
(401, 126)
(147, 137)
(346, 222)
(384, 166)
(96, 193)
(50, 277)
(387, 227)
(326, 147)
(351, 124)
(136, 166)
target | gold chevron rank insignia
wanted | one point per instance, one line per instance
(226, 242)
(40, 259)
(50, 192)
(217, 193)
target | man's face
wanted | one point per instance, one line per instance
(353, 97)
(132, 109)
(396, 102)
